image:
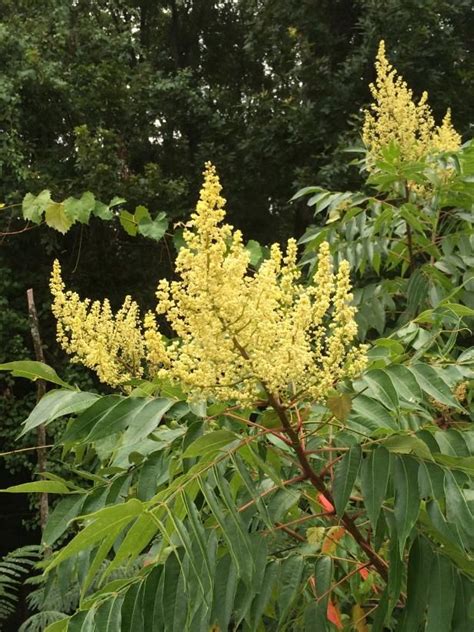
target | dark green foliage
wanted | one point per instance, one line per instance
(13, 568)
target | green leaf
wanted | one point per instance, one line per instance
(406, 444)
(128, 223)
(153, 228)
(56, 404)
(48, 487)
(340, 406)
(409, 212)
(368, 412)
(462, 463)
(305, 191)
(345, 474)
(419, 564)
(109, 616)
(323, 575)
(395, 572)
(98, 528)
(34, 371)
(173, 605)
(225, 587)
(433, 385)
(264, 595)
(463, 615)
(146, 419)
(141, 213)
(382, 388)
(116, 201)
(58, 626)
(452, 442)
(107, 415)
(405, 383)
(431, 481)
(138, 537)
(34, 207)
(210, 442)
(102, 211)
(457, 508)
(255, 251)
(289, 583)
(442, 585)
(444, 533)
(374, 479)
(407, 502)
(66, 510)
(80, 209)
(56, 217)
(101, 553)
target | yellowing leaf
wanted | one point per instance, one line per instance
(56, 217)
(340, 406)
(332, 538)
(314, 535)
(358, 619)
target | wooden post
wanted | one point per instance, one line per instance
(40, 391)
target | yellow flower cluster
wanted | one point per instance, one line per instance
(395, 117)
(110, 344)
(239, 334)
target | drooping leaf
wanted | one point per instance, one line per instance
(345, 474)
(323, 578)
(441, 595)
(137, 538)
(98, 528)
(464, 464)
(109, 614)
(374, 479)
(395, 572)
(419, 566)
(457, 508)
(66, 510)
(407, 502)
(463, 615)
(289, 583)
(225, 587)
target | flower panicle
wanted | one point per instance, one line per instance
(396, 117)
(238, 331)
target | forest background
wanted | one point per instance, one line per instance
(129, 99)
